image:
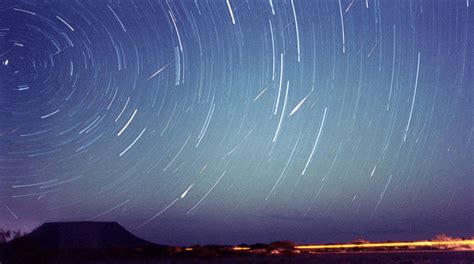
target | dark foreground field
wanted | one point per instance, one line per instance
(339, 258)
(419, 257)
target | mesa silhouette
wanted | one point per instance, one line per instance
(78, 240)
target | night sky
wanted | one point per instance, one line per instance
(230, 121)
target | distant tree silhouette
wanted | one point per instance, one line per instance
(259, 246)
(360, 241)
(7, 235)
(4, 235)
(285, 244)
(442, 237)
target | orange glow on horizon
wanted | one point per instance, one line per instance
(390, 244)
(241, 248)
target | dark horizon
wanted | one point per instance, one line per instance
(393, 236)
(318, 237)
(239, 121)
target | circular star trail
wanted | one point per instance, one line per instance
(239, 121)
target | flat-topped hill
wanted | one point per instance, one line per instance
(78, 239)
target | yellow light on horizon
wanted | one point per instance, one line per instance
(390, 244)
(241, 248)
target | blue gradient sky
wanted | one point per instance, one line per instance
(239, 121)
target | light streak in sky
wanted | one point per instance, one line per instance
(259, 95)
(26, 11)
(342, 29)
(50, 114)
(382, 195)
(315, 142)
(279, 85)
(297, 107)
(282, 112)
(158, 214)
(65, 23)
(230, 11)
(117, 17)
(413, 98)
(133, 143)
(205, 195)
(128, 122)
(186, 192)
(273, 10)
(297, 31)
(157, 72)
(9, 209)
(109, 210)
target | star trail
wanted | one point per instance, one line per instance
(236, 121)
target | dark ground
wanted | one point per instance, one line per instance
(423, 257)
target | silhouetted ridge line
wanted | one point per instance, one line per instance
(84, 235)
(77, 239)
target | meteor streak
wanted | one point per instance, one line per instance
(157, 72)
